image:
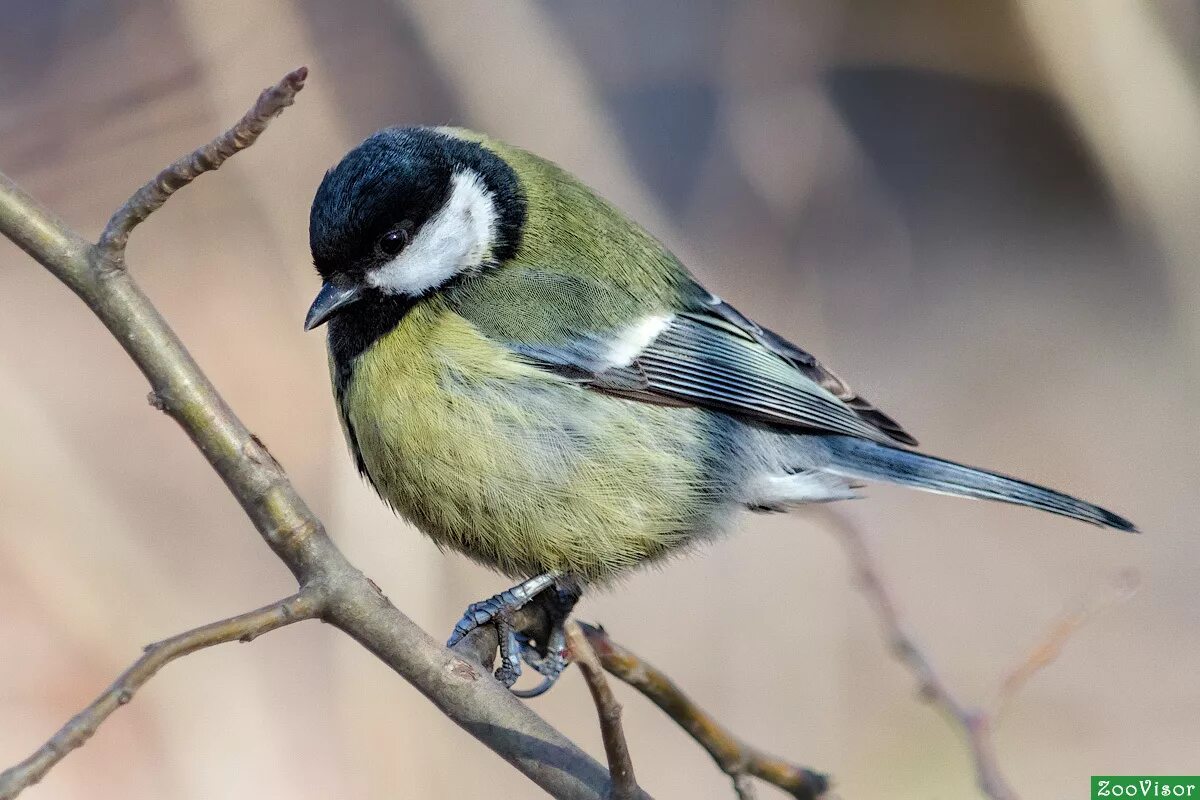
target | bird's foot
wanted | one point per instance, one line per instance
(547, 658)
(550, 659)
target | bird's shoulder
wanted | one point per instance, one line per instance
(531, 307)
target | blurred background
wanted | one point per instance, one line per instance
(983, 215)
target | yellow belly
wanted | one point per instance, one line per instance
(517, 468)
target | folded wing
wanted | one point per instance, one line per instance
(706, 360)
(704, 354)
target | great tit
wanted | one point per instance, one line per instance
(535, 381)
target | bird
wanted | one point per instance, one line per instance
(535, 381)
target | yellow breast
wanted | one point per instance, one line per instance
(518, 468)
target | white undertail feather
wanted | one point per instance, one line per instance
(781, 491)
(458, 238)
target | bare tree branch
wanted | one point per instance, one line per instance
(303, 605)
(736, 759)
(620, 765)
(334, 590)
(974, 723)
(467, 695)
(977, 724)
(743, 787)
(148, 199)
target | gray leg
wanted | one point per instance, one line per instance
(498, 609)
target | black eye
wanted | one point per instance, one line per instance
(393, 241)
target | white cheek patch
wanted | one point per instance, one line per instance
(635, 339)
(454, 240)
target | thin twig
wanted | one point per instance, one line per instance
(1045, 652)
(977, 724)
(620, 764)
(303, 605)
(468, 696)
(974, 722)
(736, 758)
(148, 199)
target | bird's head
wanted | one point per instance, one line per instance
(406, 213)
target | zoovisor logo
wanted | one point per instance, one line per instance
(1145, 786)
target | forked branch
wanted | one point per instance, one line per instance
(148, 199)
(736, 758)
(976, 723)
(468, 696)
(332, 589)
(303, 605)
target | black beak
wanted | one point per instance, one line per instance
(330, 300)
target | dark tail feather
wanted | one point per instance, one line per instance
(866, 460)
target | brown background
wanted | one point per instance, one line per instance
(982, 214)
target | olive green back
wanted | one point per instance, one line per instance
(582, 265)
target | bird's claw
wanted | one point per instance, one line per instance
(510, 653)
(516, 646)
(479, 614)
(550, 665)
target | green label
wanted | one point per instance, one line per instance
(1146, 786)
